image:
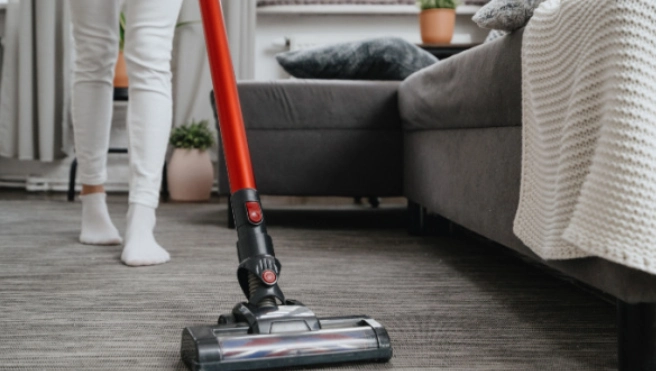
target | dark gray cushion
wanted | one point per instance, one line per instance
(386, 58)
(478, 88)
(320, 104)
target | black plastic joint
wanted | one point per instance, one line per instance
(253, 238)
(254, 247)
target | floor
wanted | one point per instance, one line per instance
(448, 303)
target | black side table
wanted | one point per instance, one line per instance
(444, 51)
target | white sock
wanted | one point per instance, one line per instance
(97, 226)
(140, 245)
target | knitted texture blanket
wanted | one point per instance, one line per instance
(588, 184)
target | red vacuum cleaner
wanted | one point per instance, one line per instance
(267, 331)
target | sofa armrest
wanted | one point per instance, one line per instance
(478, 88)
(319, 104)
(322, 137)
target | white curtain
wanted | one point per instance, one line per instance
(34, 90)
(192, 83)
(241, 18)
(191, 77)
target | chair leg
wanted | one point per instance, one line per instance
(421, 223)
(164, 193)
(71, 181)
(416, 218)
(636, 324)
(374, 202)
(231, 218)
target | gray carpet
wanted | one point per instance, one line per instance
(448, 303)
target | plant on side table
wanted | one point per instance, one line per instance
(120, 69)
(190, 173)
(437, 20)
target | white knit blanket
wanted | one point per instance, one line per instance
(589, 132)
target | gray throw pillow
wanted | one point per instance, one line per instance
(506, 15)
(388, 58)
(494, 34)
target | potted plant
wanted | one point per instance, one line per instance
(437, 20)
(190, 173)
(120, 70)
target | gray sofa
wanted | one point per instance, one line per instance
(449, 139)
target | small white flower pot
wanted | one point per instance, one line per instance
(190, 175)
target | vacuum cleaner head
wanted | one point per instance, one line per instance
(284, 336)
(270, 331)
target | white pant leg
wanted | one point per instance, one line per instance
(95, 30)
(150, 26)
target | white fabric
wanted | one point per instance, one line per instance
(240, 25)
(192, 82)
(589, 132)
(34, 96)
(97, 227)
(141, 249)
(150, 25)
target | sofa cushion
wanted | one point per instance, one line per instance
(320, 104)
(383, 58)
(478, 88)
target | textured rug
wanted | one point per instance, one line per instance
(448, 303)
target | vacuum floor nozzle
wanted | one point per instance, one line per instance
(233, 346)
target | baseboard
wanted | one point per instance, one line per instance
(39, 176)
(54, 177)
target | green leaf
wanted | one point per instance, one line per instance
(121, 31)
(185, 23)
(193, 135)
(437, 4)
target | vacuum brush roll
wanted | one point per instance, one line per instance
(231, 347)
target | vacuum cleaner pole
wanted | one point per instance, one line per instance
(235, 146)
(268, 331)
(258, 270)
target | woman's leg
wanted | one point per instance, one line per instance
(95, 30)
(150, 26)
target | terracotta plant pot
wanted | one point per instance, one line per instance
(437, 25)
(120, 72)
(190, 175)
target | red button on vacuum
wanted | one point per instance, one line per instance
(269, 277)
(254, 212)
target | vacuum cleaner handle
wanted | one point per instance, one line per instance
(231, 122)
(258, 268)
